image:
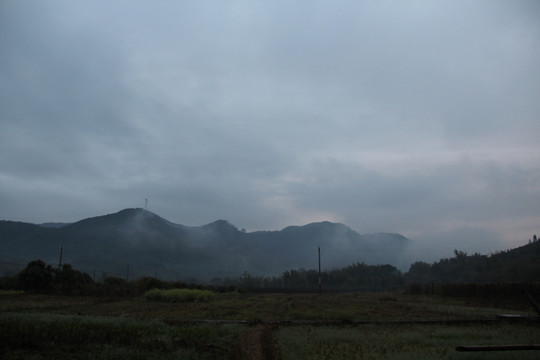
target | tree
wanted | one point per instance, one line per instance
(71, 282)
(460, 254)
(36, 277)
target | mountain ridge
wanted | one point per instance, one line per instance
(150, 244)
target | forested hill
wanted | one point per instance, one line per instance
(148, 244)
(521, 264)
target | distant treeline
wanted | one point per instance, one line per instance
(41, 278)
(38, 277)
(356, 277)
(520, 265)
(461, 275)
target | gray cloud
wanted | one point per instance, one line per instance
(419, 118)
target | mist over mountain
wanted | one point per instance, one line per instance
(137, 242)
(53, 224)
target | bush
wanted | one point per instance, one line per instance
(179, 295)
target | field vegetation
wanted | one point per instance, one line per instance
(287, 326)
(61, 313)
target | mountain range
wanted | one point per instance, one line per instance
(136, 242)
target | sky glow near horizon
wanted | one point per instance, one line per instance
(420, 118)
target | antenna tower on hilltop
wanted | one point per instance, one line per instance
(145, 204)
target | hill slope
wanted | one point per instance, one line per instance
(521, 264)
(151, 245)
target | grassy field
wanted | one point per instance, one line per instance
(406, 341)
(69, 337)
(284, 326)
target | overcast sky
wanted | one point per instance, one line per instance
(416, 117)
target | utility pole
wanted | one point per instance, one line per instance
(320, 279)
(61, 252)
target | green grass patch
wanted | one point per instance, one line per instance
(179, 295)
(11, 292)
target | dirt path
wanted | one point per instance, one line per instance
(256, 343)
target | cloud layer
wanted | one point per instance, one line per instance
(420, 118)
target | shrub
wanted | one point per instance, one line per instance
(179, 295)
